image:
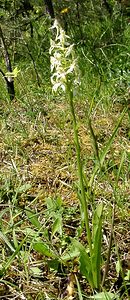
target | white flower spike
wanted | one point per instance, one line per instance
(63, 64)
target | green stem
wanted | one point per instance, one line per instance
(80, 171)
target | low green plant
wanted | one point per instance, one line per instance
(41, 237)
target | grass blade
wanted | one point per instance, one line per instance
(97, 239)
(107, 147)
(33, 218)
(6, 241)
(12, 257)
(79, 289)
(43, 249)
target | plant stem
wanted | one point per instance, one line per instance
(80, 171)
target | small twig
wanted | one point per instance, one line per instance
(9, 79)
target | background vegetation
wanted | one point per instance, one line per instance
(44, 250)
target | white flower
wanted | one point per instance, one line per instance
(63, 64)
(69, 50)
(58, 85)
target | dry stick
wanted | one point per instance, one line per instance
(9, 79)
(109, 248)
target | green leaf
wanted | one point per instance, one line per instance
(57, 226)
(96, 219)
(43, 249)
(49, 203)
(73, 252)
(23, 188)
(13, 74)
(16, 71)
(97, 238)
(105, 296)
(85, 262)
(6, 241)
(59, 202)
(118, 267)
(53, 264)
(12, 257)
(127, 277)
(33, 218)
(85, 266)
(30, 232)
(123, 157)
(35, 271)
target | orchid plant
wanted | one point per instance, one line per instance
(64, 77)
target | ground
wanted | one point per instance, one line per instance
(38, 162)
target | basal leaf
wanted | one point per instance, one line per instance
(105, 296)
(33, 218)
(96, 219)
(97, 238)
(57, 226)
(85, 262)
(72, 252)
(43, 249)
